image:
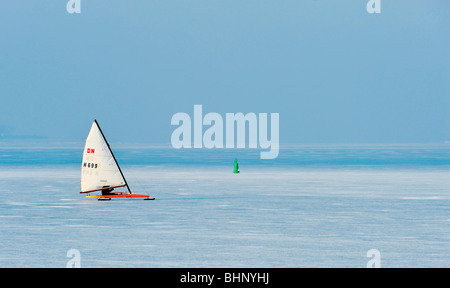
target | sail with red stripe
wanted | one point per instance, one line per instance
(99, 168)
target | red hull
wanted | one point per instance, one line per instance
(119, 196)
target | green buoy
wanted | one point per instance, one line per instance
(236, 166)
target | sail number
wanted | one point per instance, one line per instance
(90, 165)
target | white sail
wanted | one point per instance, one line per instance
(99, 168)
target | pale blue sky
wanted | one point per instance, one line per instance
(335, 73)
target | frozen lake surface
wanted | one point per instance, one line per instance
(206, 216)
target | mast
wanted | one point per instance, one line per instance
(106, 141)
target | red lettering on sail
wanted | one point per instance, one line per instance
(92, 150)
(88, 150)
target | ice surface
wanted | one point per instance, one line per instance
(206, 216)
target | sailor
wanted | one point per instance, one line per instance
(107, 191)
